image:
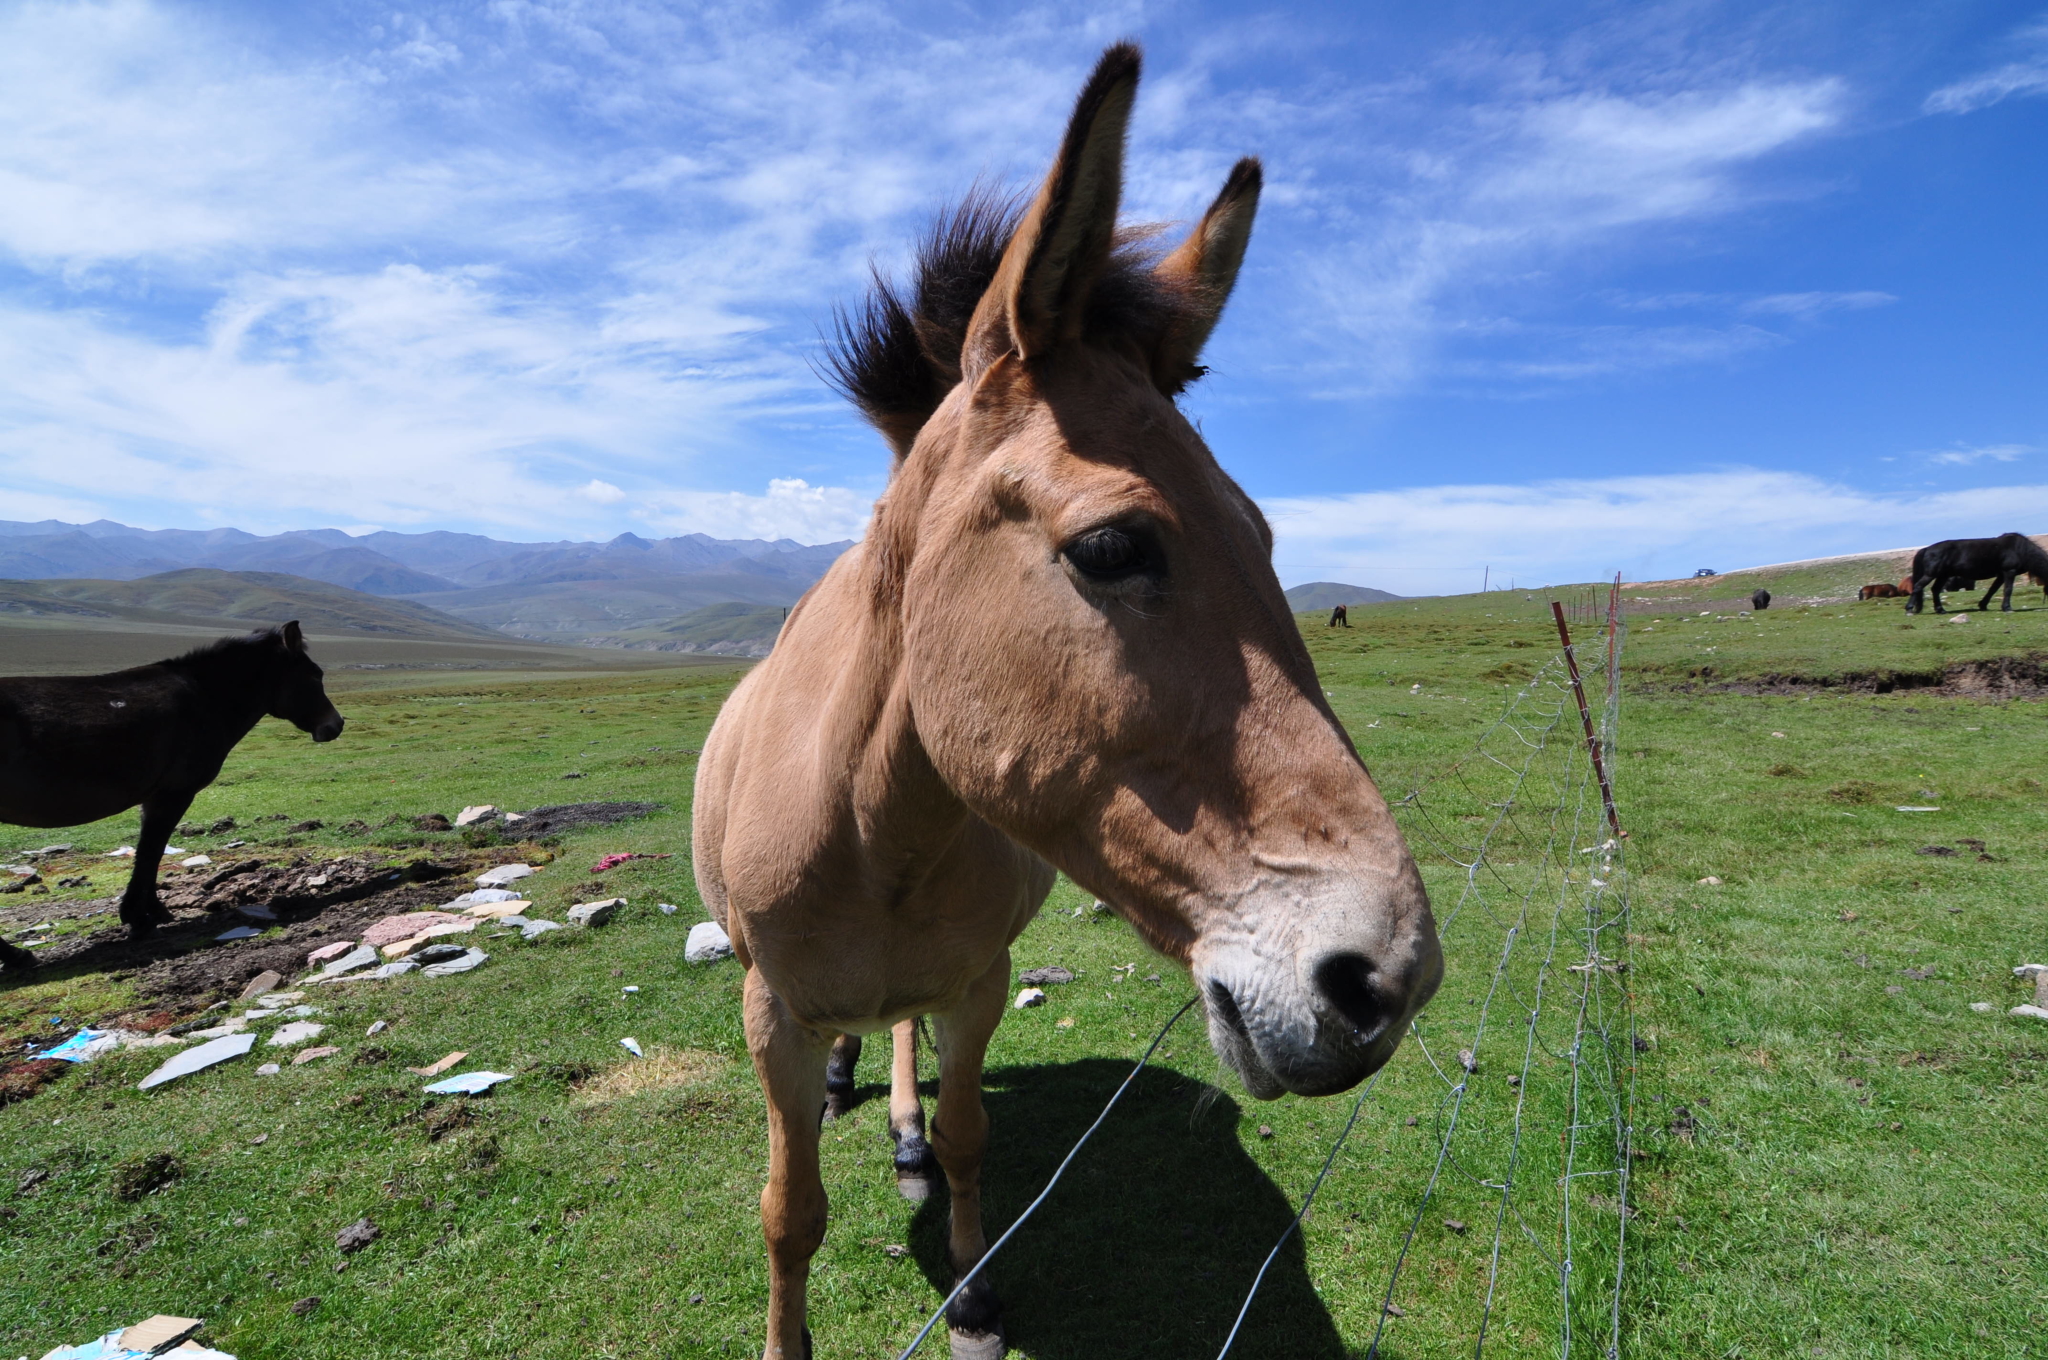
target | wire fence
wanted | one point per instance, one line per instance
(1526, 1060)
(1530, 1047)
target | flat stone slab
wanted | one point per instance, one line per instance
(503, 874)
(595, 913)
(197, 1059)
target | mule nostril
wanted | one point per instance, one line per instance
(1345, 980)
(1224, 1006)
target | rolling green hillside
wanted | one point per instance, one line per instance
(251, 599)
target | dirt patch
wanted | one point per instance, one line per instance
(553, 821)
(182, 969)
(663, 1069)
(22, 1080)
(138, 1176)
(2004, 677)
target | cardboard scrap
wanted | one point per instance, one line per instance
(158, 1333)
(436, 1069)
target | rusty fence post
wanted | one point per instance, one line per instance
(1564, 635)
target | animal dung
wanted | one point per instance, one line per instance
(1051, 975)
(1029, 997)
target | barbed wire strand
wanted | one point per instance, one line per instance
(1058, 1171)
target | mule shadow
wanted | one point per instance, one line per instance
(1150, 1241)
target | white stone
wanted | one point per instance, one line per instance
(1982, 1007)
(2035, 1012)
(197, 861)
(707, 943)
(194, 1059)
(503, 874)
(1029, 997)
(474, 814)
(297, 1032)
(533, 930)
(595, 913)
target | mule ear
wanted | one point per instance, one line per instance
(294, 640)
(1201, 271)
(1039, 296)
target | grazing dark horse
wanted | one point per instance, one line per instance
(2003, 559)
(1340, 617)
(77, 748)
(1759, 599)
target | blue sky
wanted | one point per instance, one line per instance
(1558, 290)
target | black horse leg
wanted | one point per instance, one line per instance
(1913, 599)
(1935, 587)
(1985, 603)
(2010, 582)
(839, 1076)
(141, 911)
(15, 957)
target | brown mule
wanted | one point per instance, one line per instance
(881, 804)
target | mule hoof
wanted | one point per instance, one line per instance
(915, 1186)
(837, 1104)
(977, 1345)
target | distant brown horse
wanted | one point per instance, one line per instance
(1879, 592)
(1340, 617)
(78, 748)
(883, 802)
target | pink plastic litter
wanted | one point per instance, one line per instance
(614, 861)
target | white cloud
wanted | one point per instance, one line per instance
(600, 493)
(1430, 540)
(1805, 306)
(2027, 76)
(1964, 455)
(792, 508)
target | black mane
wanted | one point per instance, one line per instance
(219, 647)
(898, 353)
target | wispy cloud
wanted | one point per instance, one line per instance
(1428, 540)
(2028, 75)
(1963, 455)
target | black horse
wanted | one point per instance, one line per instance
(1340, 617)
(2003, 559)
(78, 748)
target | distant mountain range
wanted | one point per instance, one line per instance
(1330, 594)
(594, 593)
(205, 597)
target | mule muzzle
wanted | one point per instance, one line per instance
(328, 728)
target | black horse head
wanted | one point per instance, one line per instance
(297, 694)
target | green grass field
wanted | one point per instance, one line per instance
(1835, 1155)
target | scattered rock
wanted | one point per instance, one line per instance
(410, 925)
(196, 1059)
(1455, 1225)
(533, 930)
(438, 953)
(357, 1235)
(707, 943)
(362, 956)
(306, 1305)
(480, 812)
(632, 1046)
(1265, 1130)
(595, 913)
(1029, 997)
(1711, 881)
(311, 1054)
(1051, 975)
(196, 861)
(894, 1250)
(1467, 1060)
(471, 958)
(1982, 1007)
(503, 874)
(265, 981)
(268, 1070)
(297, 1032)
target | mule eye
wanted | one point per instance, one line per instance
(1110, 553)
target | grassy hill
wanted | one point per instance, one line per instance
(600, 611)
(1330, 594)
(251, 599)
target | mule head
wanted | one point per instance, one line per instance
(1097, 656)
(298, 694)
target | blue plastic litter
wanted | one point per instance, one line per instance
(468, 1084)
(79, 1047)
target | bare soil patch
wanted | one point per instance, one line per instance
(2003, 677)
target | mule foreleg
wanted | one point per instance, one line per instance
(790, 1061)
(915, 1166)
(1996, 582)
(960, 1137)
(141, 910)
(839, 1076)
